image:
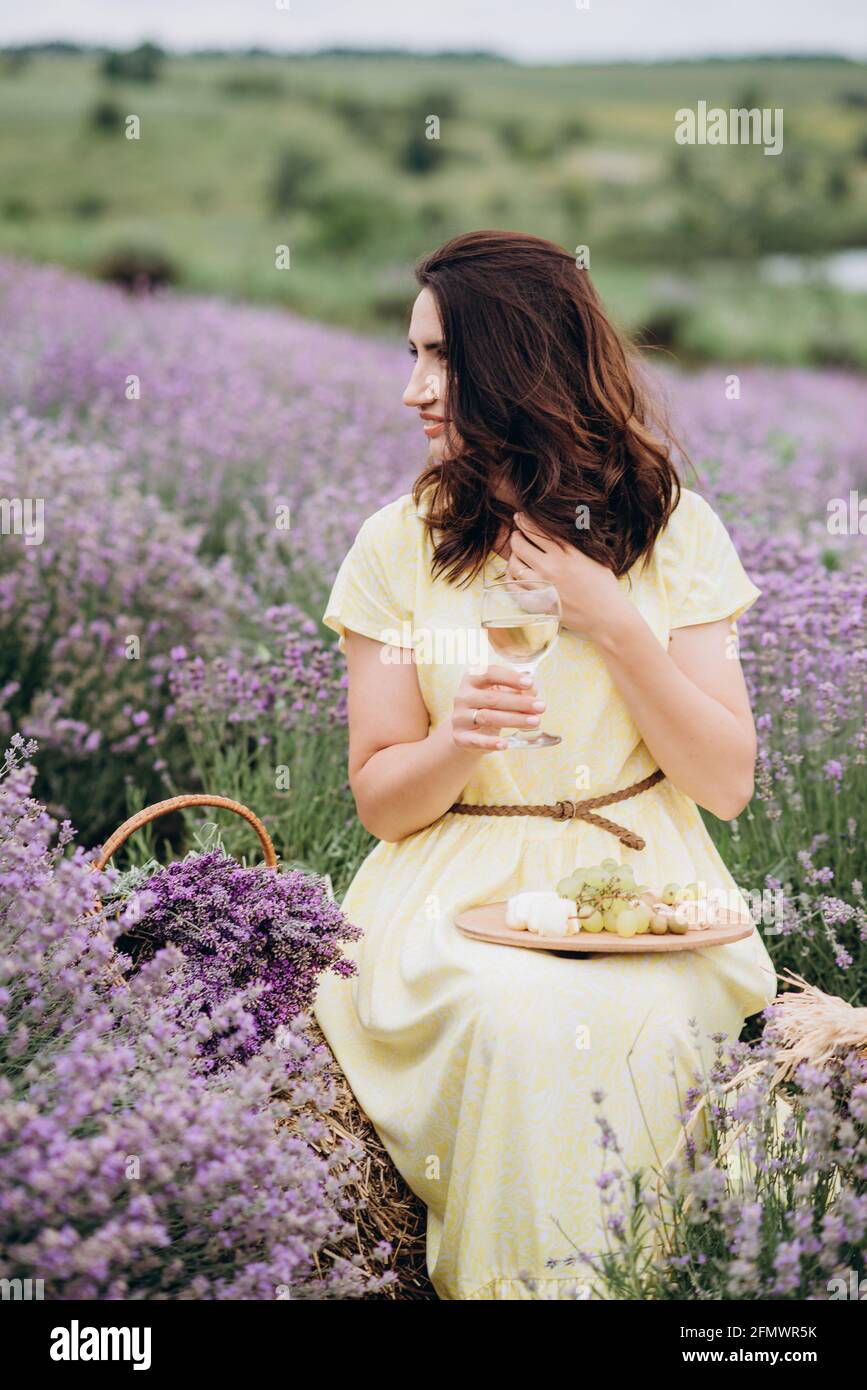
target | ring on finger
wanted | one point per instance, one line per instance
(476, 713)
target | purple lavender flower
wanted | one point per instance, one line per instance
(128, 1170)
(240, 928)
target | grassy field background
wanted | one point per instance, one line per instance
(328, 155)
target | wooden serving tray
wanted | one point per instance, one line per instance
(488, 923)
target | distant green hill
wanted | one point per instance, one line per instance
(329, 155)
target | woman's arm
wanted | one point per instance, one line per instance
(403, 774)
(690, 703)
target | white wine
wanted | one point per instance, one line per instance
(520, 640)
(521, 622)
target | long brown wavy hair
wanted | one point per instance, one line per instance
(543, 393)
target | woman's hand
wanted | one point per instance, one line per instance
(481, 694)
(591, 597)
(405, 772)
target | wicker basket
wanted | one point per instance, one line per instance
(182, 803)
(384, 1207)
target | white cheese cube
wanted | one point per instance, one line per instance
(551, 918)
(518, 906)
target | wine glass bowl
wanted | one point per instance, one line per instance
(521, 618)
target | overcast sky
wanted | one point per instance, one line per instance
(541, 30)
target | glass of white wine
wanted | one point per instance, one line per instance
(522, 620)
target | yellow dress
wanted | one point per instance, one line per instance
(477, 1063)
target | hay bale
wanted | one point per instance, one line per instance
(385, 1208)
(812, 1026)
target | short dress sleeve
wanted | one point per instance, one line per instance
(704, 577)
(371, 593)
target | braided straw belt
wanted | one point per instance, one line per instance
(574, 810)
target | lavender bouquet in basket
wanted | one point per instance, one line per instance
(264, 932)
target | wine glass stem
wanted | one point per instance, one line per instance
(529, 731)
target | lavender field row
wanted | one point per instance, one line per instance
(181, 478)
(204, 467)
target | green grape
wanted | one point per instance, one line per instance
(670, 893)
(624, 877)
(659, 924)
(679, 928)
(593, 923)
(644, 915)
(567, 887)
(628, 922)
(610, 920)
(595, 878)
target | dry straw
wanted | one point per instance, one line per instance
(807, 1026)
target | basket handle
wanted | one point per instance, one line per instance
(178, 803)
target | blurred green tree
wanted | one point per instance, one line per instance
(291, 184)
(105, 116)
(141, 64)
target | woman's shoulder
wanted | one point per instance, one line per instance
(374, 590)
(395, 515)
(395, 528)
(700, 566)
(691, 522)
(691, 511)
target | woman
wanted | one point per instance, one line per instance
(478, 1063)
